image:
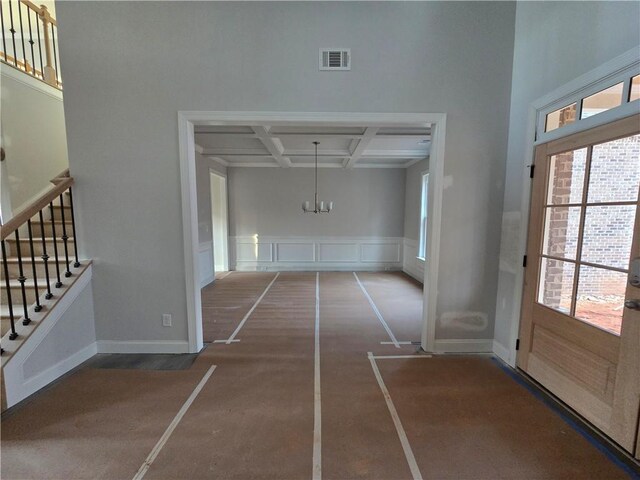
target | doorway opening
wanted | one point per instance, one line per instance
(359, 129)
(219, 222)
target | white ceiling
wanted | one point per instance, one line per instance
(292, 146)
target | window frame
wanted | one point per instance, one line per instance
(424, 216)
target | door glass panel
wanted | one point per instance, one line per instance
(615, 171)
(602, 101)
(561, 232)
(556, 284)
(560, 117)
(634, 94)
(566, 181)
(608, 233)
(600, 299)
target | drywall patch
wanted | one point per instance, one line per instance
(510, 260)
(467, 321)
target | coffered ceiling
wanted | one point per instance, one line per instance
(292, 146)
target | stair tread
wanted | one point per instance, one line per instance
(47, 239)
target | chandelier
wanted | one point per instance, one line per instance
(319, 207)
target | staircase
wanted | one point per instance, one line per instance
(39, 263)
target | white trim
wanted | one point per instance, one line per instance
(172, 426)
(31, 82)
(559, 95)
(500, 351)
(188, 119)
(16, 386)
(132, 346)
(464, 345)
(317, 396)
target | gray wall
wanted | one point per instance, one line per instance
(268, 201)
(555, 43)
(129, 67)
(413, 199)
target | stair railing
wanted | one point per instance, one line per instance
(29, 40)
(34, 219)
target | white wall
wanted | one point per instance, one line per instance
(407, 57)
(555, 43)
(33, 135)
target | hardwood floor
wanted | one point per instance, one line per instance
(256, 417)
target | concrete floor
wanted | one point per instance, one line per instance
(463, 416)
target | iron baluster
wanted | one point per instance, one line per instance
(73, 227)
(13, 335)
(22, 279)
(38, 307)
(55, 245)
(45, 258)
(65, 238)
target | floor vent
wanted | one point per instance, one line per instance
(335, 59)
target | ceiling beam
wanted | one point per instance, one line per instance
(273, 145)
(230, 152)
(369, 134)
(397, 154)
(321, 153)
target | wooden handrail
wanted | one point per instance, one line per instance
(21, 218)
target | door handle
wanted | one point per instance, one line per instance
(634, 272)
(632, 304)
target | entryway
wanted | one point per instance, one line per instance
(580, 328)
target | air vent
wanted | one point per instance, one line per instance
(335, 59)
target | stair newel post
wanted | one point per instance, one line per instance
(65, 237)
(45, 258)
(48, 71)
(55, 244)
(38, 307)
(73, 227)
(22, 279)
(13, 335)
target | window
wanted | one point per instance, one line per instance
(422, 247)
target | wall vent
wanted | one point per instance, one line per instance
(335, 59)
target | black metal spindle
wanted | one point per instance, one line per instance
(55, 245)
(4, 40)
(73, 226)
(22, 279)
(13, 34)
(40, 46)
(31, 42)
(24, 51)
(65, 237)
(55, 54)
(13, 335)
(45, 258)
(38, 307)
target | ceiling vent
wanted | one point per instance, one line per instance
(335, 59)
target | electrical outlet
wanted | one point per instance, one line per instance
(166, 319)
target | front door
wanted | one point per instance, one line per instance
(580, 326)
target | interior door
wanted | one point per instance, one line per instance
(580, 328)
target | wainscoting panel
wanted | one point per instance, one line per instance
(296, 252)
(315, 253)
(205, 260)
(411, 264)
(338, 252)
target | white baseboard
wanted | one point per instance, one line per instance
(501, 351)
(318, 267)
(411, 264)
(464, 345)
(207, 281)
(114, 346)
